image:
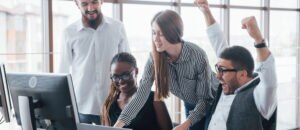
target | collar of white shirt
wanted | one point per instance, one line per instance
(243, 86)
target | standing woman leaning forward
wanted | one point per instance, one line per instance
(177, 66)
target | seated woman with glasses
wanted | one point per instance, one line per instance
(153, 116)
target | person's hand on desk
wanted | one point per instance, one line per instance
(119, 124)
(184, 126)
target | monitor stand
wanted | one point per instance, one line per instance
(26, 108)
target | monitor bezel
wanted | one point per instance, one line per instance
(70, 90)
(7, 107)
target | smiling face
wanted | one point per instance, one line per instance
(158, 38)
(123, 76)
(228, 79)
(90, 9)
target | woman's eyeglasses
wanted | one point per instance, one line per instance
(125, 77)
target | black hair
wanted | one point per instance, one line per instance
(124, 57)
(240, 57)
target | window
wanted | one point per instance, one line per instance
(246, 2)
(239, 36)
(283, 43)
(284, 3)
(21, 45)
(210, 1)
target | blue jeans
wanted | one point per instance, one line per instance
(199, 125)
(89, 119)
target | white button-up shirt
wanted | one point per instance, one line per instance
(264, 94)
(86, 53)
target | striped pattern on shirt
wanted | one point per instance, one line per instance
(190, 79)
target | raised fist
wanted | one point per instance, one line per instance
(202, 4)
(250, 24)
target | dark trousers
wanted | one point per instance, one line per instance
(199, 125)
(89, 119)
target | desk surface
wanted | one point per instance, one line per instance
(10, 126)
(82, 126)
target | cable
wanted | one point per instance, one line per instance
(2, 119)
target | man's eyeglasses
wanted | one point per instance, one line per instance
(125, 76)
(220, 70)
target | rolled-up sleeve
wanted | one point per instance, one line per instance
(265, 94)
(216, 38)
(203, 88)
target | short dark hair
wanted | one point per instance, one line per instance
(170, 24)
(240, 57)
(124, 57)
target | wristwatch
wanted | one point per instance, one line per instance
(262, 44)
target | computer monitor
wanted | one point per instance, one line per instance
(5, 105)
(43, 100)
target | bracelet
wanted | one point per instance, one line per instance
(260, 45)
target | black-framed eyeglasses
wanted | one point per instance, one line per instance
(221, 70)
(125, 76)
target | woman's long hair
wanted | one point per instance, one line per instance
(112, 96)
(114, 91)
(171, 25)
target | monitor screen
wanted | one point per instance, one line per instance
(5, 105)
(47, 99)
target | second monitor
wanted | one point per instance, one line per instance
(42, 100)
(5, 105)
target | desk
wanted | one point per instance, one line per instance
(11, 125)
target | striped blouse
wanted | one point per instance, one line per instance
(190, 79)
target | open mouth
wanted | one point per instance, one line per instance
(91, 12)
(223, 84)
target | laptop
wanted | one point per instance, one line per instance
(83, 126)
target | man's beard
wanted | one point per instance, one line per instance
(233, 85)
(93, 22)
